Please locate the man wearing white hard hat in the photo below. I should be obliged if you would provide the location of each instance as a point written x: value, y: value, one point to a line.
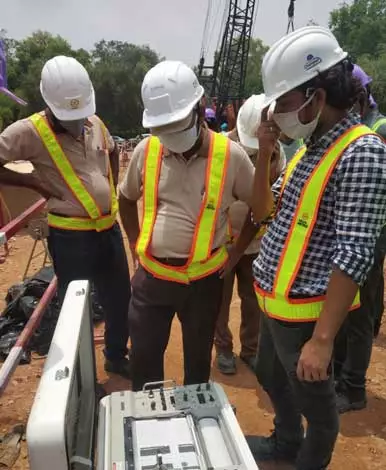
x: 188, y: 177
x: 76, y: 169
x: 248, y: 120
x: 330, y: 208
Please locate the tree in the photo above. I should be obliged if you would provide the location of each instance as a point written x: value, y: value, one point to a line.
x: 253, y: 80
x: 360, y: 27
x: 117, y: 73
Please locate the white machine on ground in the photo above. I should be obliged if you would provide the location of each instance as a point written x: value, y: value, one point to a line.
x: 163, y: 427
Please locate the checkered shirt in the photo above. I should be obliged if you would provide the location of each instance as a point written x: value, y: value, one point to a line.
x: 351, y: 215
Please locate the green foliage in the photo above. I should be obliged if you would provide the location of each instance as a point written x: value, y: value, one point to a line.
x: 116, y: 68
x: 253, y: 81
x: 360, y: 28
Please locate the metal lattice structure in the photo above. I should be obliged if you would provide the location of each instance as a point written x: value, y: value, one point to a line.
x: 225, y: 80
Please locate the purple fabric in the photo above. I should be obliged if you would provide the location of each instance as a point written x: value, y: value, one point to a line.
x: 365, y: 80
x: 210, y: 114
x: 3, y: 77
x: 361, y: 75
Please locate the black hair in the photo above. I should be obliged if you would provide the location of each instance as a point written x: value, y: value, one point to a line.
x: 341, y: 87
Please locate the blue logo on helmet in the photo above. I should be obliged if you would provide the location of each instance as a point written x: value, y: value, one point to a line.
x: 311, y: 62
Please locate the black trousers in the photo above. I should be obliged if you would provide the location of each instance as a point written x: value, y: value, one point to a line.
x: 354, y: 342
x: 99, y: 257
x: 154, y: 303
x: 279, y: 349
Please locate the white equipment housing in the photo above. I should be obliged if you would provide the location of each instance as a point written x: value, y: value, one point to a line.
x: 60, y: 430
x: 163, y: 427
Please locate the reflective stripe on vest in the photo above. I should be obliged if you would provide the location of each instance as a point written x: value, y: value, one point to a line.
x: 278, y: 304
x: 96, y: 220
x: 201, y: 262
x: 379, y: 123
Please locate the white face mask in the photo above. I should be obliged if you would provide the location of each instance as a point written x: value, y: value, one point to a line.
x: 180, y: 142
x: 75, y: 128
x: 291, y: 126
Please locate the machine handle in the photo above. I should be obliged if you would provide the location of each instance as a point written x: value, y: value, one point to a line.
x: 151, y: 385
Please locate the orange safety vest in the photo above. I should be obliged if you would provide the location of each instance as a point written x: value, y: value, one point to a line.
x: 96, y: 220
x: 201, y: 261
x: 278, y: 304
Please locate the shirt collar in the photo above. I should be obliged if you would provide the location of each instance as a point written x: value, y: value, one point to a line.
x: 351, y: 120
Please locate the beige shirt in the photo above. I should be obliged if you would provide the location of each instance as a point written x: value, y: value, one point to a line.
x: 20, y: 141
x: 180, y: 192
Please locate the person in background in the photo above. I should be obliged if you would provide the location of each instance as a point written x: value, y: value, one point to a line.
x: 210, y: 119
x: 188, y: 177
x: 330, y: 208
x: 76, y: 169
x: 290, y: 146
x: 248, y: 120
x: 355, y: 340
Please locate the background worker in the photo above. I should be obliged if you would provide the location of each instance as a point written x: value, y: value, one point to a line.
x: 355, y: 340
x: 210, y: 119
x: 76, y: 169
x: 290, y: 146
x: 318, y: 249
x: 189, y: 177
x: 248, y: 120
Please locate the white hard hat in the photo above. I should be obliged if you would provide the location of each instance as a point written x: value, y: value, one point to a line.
x: 297, y: 58
x: 170, y: 90
x: 248, y: 120
x: 67, y: 89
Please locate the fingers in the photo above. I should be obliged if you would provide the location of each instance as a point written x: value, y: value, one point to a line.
x: 264, y: 114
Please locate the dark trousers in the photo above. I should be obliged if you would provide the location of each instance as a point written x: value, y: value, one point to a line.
x: 354, y: 342
x: 279, y: 350
x: 250, y: 311
x: 99, y: 257
x: 153, y: 305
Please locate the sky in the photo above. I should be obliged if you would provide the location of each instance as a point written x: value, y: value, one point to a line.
x: 173, y: 28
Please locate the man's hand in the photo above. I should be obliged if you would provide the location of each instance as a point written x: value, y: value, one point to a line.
x: 314, y: 360
x: 134, y: 256
x: 234, y: 256
x: 268, y: 134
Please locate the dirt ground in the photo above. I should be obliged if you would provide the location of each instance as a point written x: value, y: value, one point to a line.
x: 362, y: 441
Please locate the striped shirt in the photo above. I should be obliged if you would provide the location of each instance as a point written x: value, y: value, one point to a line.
x: 351, y: 215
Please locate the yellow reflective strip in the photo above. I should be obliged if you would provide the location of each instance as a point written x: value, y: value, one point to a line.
x: 293, y: 162
x: 217, y: 163
x: 280, y: 308
x: 215, y: 262
x: 64, y: 166
x: 150, y: 193
x: 194, y: 271
x: 69, y: 223
x: 307, y: 212
x: 378, y: 124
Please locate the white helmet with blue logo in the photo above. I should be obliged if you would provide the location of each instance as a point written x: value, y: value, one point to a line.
x: 297, y: 58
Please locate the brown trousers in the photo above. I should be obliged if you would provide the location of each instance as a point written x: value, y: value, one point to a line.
x: 250, y: 311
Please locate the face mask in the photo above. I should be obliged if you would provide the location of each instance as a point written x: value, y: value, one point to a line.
x: 180, y: 142
x: 75, y: 128
x: 291, y: 126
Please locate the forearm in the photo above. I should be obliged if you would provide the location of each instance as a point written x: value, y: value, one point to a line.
x: 341, y: 292
x: 114, y: 162
x: 13, y: 178
x: 262, y: 200
x: 247, y: 234
x: 129, y: 216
